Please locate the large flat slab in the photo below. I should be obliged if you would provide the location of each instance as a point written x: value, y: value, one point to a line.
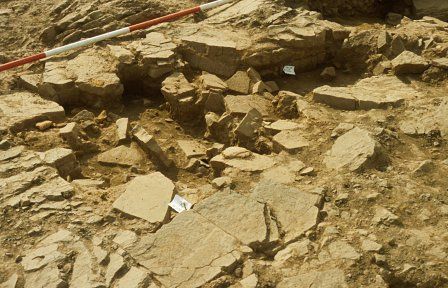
x: 187, y: 252
x: 378, y: 92
x: 147, y: 197
x: 23, y: 109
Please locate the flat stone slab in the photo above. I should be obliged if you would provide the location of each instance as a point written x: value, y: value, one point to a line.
x: 147, y: 197
x: 134, y: 278
x: 121, y: 155
x: 244, y: 160
x: 409, y: 63
x: 187, y: 252
x: 241, y: 105
x: 296, y: 211
x: 90, y: 78
x: 289, y: 140
x: 356, y: 150
x: 23, y: 109
x: 282, y: 125
x: 378, y: 92
x: 192, y: 148
x: 238, y: 215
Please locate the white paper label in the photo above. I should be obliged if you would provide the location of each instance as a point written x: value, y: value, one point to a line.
x: 290, y: 70
x: 179, y: 204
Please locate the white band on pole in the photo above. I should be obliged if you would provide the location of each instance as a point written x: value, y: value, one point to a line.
x: 214, y: 4
x: 87, y: 41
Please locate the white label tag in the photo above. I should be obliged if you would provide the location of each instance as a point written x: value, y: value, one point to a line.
x: 290, y: 70
x: 179, y: 204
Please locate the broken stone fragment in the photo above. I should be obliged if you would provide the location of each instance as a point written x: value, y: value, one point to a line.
x: 248, y: 128
x: 236, y: 214
x: 181, y: 95
x: 61, y: 236
x: 147, y: 197
x: 356, y: 151
x: 115, y: 267
x: 168, y: 254
x: 212, y: 82
x: 64, y: 160
x: 222, y: 182
x: 90, y: 79
x: 371, y: 246
x: 285, y: 173
x: 290, y: 141
x: 292, y: 252
x: 156, y: 54
x: 11, y: 282
x: 30, y: 82
x: 384, y: 216
x: 281, y: 200
x: 71, y: 133
x: 241, y: 105
x: 281, y: 125
x: 191, y: 148
x: 21, y: 110
x: 409, y: 63
x: 122, y: 129
x: 121, y: 155
x: 134, y: 278
x: 149, y: 144
x: 11, y: 153
x: 83, y: 274
x: 44, y: 125
x: 241, y: 159
x: 424, y: 167
x: 123, y: 55
x: 41, y: 257
x: 341, y: 129
x: 253, y: 75
x: 342, y: 250
x: 260, y: 87
x: 125, y: 238
x: 207, y: 53
x: 101, y: 255
x: 48, y: 277
x: 328, y: 74
x: 83, y: 116
x: 378, y: 92
x: 215, y: 150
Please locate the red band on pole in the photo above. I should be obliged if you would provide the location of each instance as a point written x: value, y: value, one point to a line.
x: 22, y: 61
x: 166, y: 18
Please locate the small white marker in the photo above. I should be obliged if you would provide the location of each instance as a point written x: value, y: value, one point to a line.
x: 290, y: 70
x: 179, y: 204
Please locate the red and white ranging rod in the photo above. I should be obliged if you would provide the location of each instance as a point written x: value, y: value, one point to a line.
x: 108, y: 35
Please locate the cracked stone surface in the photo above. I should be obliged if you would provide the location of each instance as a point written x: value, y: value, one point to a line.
x: 164, y: 253
x: 238, y: 215
x: 296, y: 211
